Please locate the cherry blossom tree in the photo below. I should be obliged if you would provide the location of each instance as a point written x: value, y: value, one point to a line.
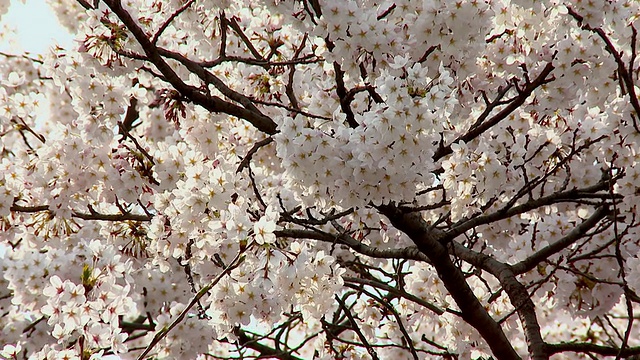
x: 323, y: 179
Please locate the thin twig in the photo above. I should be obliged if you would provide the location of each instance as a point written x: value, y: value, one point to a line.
x: 245, y: 161
x: 165, y: 331
x: 169, y: 20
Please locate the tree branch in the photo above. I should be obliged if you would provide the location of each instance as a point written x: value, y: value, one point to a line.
x: 589, y: 348
x: 409, y: 253
x: 395, y: 291
x: 473, y: 312
x: 569, y: 195
x: 574, y: 235
x: 205, y: 290
x: 211, y: 103
x: 84, y: 216
x: 265, y: 351
x: 480, y: 127
x: 517, y: 293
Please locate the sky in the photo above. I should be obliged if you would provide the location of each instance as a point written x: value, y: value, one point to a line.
x: 36, y: 26
x: 36, y: 30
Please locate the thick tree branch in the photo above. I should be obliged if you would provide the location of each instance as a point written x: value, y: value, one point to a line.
x: 341, y: 91
x: 473, y: 312
x: 590, y: 348
x: 207, y: 77
x: 517, y: 293
x: 211, y: 103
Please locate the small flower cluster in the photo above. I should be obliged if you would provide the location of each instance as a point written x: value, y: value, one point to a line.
x: 88, y: 303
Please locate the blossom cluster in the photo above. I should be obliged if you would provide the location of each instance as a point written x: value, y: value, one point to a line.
x: 87, y: 304
x: 384, y: 159
x: 244, y: 178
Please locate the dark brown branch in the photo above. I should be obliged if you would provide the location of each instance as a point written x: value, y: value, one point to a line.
x: 491, y: 105
x: 386, y: 12
x: 396, y: 292
x: 265, y: 351
x: 532, y: 261
x: 341, y: 91
x: 169, y: 20
x: 211, y: 103
x: 224, y: 23
x: 132, y: 114
x: 161, y: 334
x: 625, y: 74
x: 294, y: 110
x: 383, y: 302
x: 501, y: 115
x: 234, y: 25
x: 130, y: 327
x: 565, y: 196
x: 426, y: 54
x: 24, y: 56
x: 590, y: 348
x: 84, y: 216
x: 517, y: 293
x: 22, y: 126
x: 473, y: 312
x: 293, y: 100
x: 310, y: 220
x: 127, y: 134
x: 307, y: 59
x: 409, y: 253
x: 437, y: 205
x: 88, y: 6
x: 245, y: 162
x: 111, y: 217
x: 356, y: 329
x: 210, y: 78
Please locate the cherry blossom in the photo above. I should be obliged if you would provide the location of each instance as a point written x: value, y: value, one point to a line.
x: 323, y: 179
